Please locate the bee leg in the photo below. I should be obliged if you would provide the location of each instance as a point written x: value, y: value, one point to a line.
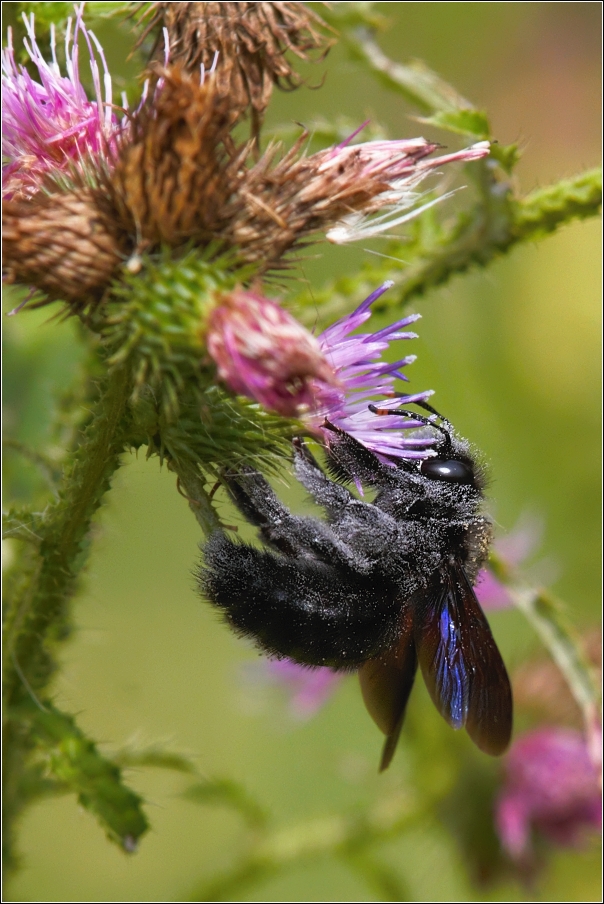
x: 292, y: 535
x: 332, y: 496
x: 351, y: 460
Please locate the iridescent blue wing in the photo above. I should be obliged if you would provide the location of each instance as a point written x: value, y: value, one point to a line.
x: 386, y: 683
x: 460, y: 662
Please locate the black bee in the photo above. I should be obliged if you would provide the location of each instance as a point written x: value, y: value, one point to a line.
x: 379, y: 587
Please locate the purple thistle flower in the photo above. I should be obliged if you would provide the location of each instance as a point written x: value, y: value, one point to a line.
x: 51, y: 124
x: 260, y: 351
x: 551, y: 787
x: 364, y: 377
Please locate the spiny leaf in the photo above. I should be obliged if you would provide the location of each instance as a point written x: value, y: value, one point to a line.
x: 155, y: 757
x: 73, y: 761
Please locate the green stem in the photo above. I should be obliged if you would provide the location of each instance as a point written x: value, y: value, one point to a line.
x: 495, y: 226
x: 34, y: 618
x: 415, y: 81
x: 547, y: 617
x: 37, y: 610
x: 557, y: 634
x: 192, y: 485
x: 384, y: 880
x: 349, y: 838
x: 545, y: 209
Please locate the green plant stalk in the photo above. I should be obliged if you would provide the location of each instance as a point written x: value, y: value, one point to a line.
x: 415, y: 81
x: 495, y: 231
x: 348, y: 838
x: 385, y: 882
x: 37, y: 612
x: 558, y: 636
x: 547, y: 617
x: 492, y: 228
x: 192, y: 485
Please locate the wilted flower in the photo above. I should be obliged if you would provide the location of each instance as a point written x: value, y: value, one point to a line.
x: 551, y: 789
x: 278, y: 205
x: 66, y: 244
x: 308, y: 688
x: 50, y: 124
x: 175, y: 176
x: 172, y: 176
x: 262, y: 352
x: 364, y: 376
x: 401, y: 164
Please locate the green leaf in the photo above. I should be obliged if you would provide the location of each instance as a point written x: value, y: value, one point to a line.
x: 473, y: 123
x: 74, y: 762
x: 507, y: 156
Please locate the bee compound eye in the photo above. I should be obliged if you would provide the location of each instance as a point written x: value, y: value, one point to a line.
x: 452, y: 470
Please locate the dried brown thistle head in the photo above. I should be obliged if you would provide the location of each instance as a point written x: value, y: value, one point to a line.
x: 176, y: 168
x: 65, y: 244
x: 251, y: 40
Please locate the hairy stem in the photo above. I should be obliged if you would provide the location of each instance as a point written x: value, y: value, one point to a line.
x: 192, y: 485
x: 37, y: 609
x: 496, y: 225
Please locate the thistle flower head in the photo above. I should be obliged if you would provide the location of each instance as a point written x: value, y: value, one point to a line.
x: 551, y: 788
x: 65, y: 244
x: 50, y: 124
x: 358, y: 363
x: 262, y: 352
x: 172, y: 175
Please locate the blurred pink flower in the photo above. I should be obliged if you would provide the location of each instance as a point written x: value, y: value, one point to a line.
x: 551, y: 788
x: 514, y: 549
x: 308, y: 688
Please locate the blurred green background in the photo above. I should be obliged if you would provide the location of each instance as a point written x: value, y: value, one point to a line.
x: 514, y: 356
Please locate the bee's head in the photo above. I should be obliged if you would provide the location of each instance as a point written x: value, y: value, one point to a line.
x: 454, y: 462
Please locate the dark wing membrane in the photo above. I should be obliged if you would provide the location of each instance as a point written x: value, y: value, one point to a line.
x: 386, y: 683
x: 460, y: 662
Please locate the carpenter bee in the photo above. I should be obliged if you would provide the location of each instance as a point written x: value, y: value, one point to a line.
x: 379, y: 587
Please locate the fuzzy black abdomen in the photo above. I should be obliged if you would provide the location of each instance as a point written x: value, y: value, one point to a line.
x: 300, y: 608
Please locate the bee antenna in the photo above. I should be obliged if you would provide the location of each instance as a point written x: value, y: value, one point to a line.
x: 427, y: 407
x: 429, y: 422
